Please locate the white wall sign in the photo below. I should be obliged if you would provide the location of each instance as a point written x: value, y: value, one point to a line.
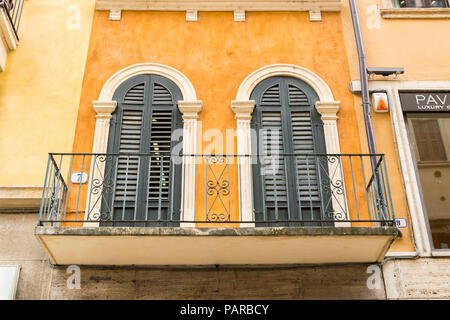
x: 400, y: 222
x: 79, y: 177
x: 9, y: 277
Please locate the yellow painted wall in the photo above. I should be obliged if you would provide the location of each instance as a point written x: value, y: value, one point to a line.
x: 421, y: 47
x: 40, y: 88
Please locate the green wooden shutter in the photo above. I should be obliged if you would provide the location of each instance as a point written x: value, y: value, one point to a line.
x: 269, y: 174
x: 303, y: 143
x: 164, y: 179
x: 287, y: 106
x: 146, y: 187
x: 130, y: 142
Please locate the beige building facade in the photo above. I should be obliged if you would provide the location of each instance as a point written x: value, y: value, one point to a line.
x: 100, y: 81
x: 412, y: 35
x: 44, y: 45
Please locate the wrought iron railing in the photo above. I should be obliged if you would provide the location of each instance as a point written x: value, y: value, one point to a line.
x: 155, y: 190
x: 13, y: 9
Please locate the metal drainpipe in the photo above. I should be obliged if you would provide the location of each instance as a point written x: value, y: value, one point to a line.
x: 364, y: 82
x: 366, y: 103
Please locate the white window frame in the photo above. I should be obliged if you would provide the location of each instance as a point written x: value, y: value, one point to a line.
x: 105, y: 106
x: 388, y: 11
x: 243, y: 108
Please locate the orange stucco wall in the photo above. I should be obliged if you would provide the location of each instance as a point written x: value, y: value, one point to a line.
x: 216, y: 54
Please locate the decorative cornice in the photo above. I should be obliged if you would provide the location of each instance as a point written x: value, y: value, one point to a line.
x: 239, y: 15
x: 203, y: 5
x: 243, y: 109
x: 190, y: 109
x: 104, y: 108
x: 315, y: 15
x: 191, y: 15
x: 115, y: 15
x: 328, y: 110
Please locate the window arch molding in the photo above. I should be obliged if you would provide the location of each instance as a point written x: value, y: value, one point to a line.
x: 243, y: 109
x: 189, y: 107
x: 183, y: 83
x: 290, y: 70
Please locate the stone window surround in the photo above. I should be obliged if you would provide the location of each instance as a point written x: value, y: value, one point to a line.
x: 388, y: 11
x: 190, y: 106
x: 422, y: 235
x: 105, y: 106
x: 243, y: 108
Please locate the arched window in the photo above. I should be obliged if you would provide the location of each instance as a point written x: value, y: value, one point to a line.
x: 147, y: 187
x: 286, y: 180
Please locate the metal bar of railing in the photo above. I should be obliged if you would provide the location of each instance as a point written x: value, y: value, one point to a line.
x: 375, y: 170
x: 18, y: 15
x: 68, y: 187
x: 79, y: 188
x: 354, y: 187
x: 125, y: 188
x: 309, y: 188
x: 299, y: 200
x: 322, y: 204
x: 206, y: 185
x: 365, y: 189
x: 44, y: 198
x: 172, y: 186
x: 391, y: 208
x: 136, y: 199
x: 160, y: 187
x: 50, y: 188
x: 58, y: 189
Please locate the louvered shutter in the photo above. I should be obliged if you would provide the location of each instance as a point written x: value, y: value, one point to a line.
x: 288, y: 123
x: 273, y: 168
x: 303, y: 143
x: 273, y: 164
x: 146, y: 186
x: 162, y: 125
x: 271, y: 201
x: 130, y: 142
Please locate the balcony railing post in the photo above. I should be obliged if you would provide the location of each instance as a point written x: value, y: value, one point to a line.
x: 44, y: 190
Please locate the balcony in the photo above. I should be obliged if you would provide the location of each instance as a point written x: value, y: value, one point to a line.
x: 161, y: 209
x: 10, y: 15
